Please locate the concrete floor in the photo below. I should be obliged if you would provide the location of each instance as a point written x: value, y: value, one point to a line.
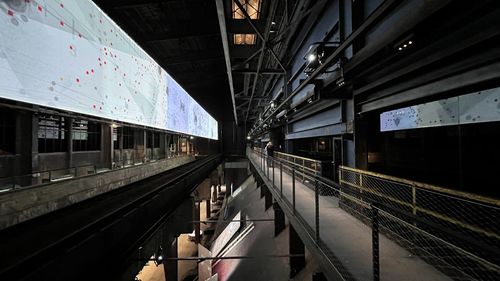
x: 260, y: 241
x: 350, y: 240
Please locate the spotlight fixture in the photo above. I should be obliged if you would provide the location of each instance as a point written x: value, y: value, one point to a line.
x: 340, y: 82
x: 311, y: 57
x: 191, y: 137
x: 159, y: 256
x: 317, y: 54
x: 273, y: 104
x: 404, y: 44
x: 248, y: 137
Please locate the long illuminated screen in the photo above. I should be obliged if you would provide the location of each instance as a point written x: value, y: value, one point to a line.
x: 70, y: 55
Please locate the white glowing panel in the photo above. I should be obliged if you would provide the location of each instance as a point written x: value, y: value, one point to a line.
x: 70, y: 55
x: 226, y: 234
x: 483, y: 106
x: 477, y: 107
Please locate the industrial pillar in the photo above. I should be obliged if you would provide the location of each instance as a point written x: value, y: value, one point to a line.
x: 262, y: 190
x: 171, y: 265
x: 268, y: 202
x: 197, y: 223
x: 279, y: 219
x: 296, y: 247
x: 207, y: 202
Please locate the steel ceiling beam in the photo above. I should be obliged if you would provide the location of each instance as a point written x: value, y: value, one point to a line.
x: 372, y: 19
x: 264, y: 39
x: 258, y: 32
x: 225, y: 45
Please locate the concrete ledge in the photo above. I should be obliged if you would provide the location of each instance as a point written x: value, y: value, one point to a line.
x: 24, y: 204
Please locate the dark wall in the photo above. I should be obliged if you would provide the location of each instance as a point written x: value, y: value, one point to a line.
x: 233, y: 138
x: 463, y: 157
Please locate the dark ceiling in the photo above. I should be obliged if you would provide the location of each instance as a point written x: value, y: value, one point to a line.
x: 183, y: 36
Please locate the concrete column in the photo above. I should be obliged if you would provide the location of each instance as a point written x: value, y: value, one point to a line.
x: 145, y: 145
x: 120, y: 144
x: 69, y: 139
x: 23, y: 163
x: 197, y: 224
x: 214, y: 194
x: 207, y: 202
x: 279, y: 219
x: 296, y: 247
x: 268, y: 198
x: 106, y: 145
x: 171, y: 266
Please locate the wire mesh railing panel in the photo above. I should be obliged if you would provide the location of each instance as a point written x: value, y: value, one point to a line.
x: 454, y: 235
x: 454, y: 261
x: 461, y: 220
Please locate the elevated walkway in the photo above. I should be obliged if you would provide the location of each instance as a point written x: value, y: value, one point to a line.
x: 343, y: 239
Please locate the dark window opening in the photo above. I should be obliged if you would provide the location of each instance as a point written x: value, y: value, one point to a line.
x: 7, y: 133
x: 128, y: 137
x: 51, y: 134
x: 86, y: 135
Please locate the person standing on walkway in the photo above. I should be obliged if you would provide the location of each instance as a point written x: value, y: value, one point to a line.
x: 270, y: 153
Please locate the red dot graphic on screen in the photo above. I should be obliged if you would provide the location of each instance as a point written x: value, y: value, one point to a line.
x: 93, y: 106
x: 99, y: 59
x: 10, y: 13
x: 80, y: 35
x: 40, y: 8
x: 92, y: 70
x: 105, y: 49
x: 62, y: 5
x: 104, y: 62
x: 77, y: 80
x: 61, y: 23
x: 87, y: 72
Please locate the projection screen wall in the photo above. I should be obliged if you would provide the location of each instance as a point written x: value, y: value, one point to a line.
x: 70, y: 55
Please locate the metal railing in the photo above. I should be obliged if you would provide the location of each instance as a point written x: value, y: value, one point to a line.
x: 473, y: 219
x: 400, y: 216
x: 54, y: 175
x: 312, y: 166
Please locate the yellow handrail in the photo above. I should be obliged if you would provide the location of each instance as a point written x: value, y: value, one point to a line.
x: 435, y: 188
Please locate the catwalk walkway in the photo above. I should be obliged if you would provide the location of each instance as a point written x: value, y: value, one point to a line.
x: 345, y: 236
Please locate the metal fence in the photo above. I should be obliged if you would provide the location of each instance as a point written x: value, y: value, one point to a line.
x: 455, y: 234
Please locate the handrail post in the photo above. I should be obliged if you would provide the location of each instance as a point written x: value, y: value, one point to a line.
x: 272, y: 162
x: 281, y: 178
x: 293, y: 188
x: 375, y: 243
x: 267, y: 166
x: 316, y: 204
x: 303, y: 170
x: 414, y: 199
